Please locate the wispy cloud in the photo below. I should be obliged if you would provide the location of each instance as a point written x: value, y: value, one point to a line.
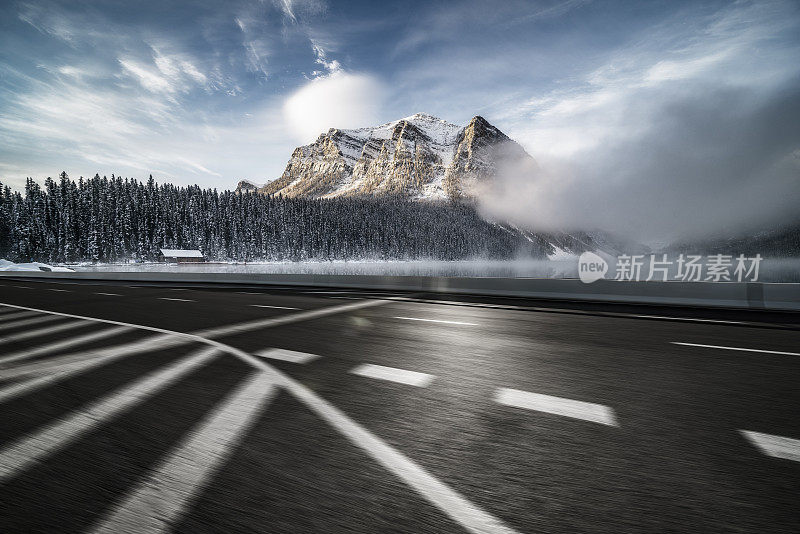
x: 671, y: 136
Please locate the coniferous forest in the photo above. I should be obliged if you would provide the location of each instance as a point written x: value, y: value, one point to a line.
x: 115, y: 219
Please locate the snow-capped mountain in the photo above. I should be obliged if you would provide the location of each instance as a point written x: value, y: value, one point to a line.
x: 419, y: 157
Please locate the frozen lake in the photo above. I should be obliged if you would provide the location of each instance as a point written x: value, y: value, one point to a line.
x: 772, y: 269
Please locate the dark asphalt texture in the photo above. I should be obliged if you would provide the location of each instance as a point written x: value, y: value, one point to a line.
x: 676, y: 462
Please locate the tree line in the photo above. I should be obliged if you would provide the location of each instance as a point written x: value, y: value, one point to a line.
x: 115, y: 219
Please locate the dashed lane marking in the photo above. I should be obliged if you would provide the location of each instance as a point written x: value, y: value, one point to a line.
x: 392, y: 374
x: 775, y: 446
x: 436, y: 321
x: 108, y: 294
x: 287, y: 355
x: 63, y: 344
x: 158, y: 501
x: 24, y: 287
x: 274, y: 307
x: 742, y: 349
x: 60, y: 290
x: 20, y: 454
x: 43, y: 331
x: 28, y: 322
x: 596, y: 413
x: 176, y: 300
x: 468, y: 515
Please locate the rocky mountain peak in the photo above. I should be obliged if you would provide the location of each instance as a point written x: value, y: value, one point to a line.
x: 419, y: 157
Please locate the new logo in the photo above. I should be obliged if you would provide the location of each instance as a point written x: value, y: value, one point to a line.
x: 591, y: 267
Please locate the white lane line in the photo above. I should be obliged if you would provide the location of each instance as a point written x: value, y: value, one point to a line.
x: 471, y: 517
x: 70, y: 364
x: 275, y: 307
x: 435, y: 321
x: 468, y: 515
x: 20, y: 454
x: 284, y: 319
x: 691, y: 319
x: 63, y: 344
x: 17, y: 315
x: 47, y: 330
x: 23, y: 287
x: 742, y: 349
x: 775, y: 446
x: 160, y: 500
x: 248, y: 293
x: 176, y: 300
x: 28, y: 322
x: 56, y: 369
x: 108, y: 294
x: 61, y: 290
x: 392, y: 374
x: 596, y: 413
x: 287, y: 355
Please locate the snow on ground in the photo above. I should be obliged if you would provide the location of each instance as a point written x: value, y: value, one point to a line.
x: 6, y: 265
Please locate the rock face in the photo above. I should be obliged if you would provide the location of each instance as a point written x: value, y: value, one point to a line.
x: 246, y: 186
x: 419, y: 157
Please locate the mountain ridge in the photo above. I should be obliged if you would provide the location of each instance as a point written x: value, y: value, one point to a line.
x: 420, y: 157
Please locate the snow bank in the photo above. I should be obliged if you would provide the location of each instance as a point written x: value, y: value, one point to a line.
x: 6, y: 265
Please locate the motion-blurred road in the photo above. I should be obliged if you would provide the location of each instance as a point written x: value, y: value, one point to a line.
x: 134, y: 408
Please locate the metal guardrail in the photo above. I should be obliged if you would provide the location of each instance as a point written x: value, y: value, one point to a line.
x: 750, y: 295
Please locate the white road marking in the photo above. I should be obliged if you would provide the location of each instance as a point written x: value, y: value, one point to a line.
x: 287, y: 355
x: 70, y: 364
x: 469, y: 516
x: 23, y: 287
x: 561, y: 310
x: 270, y: 322
x: 775, y: 446
x: 20, y: 454
x: 736, y: 348
x: 177, y: 300
x: 62, y: 290
x: 248, y: 293
x: 161, y: 499
x: 47, y: 330
x: 436, y: 321
x: 596, y: 413
x: 28, y: 322
x: 18, y: 315
x: 691, y: 319
x: 55, y: 369
x: 392, y: 374
x: 275, y: 307
x: 109, y: 294
x: 63, y: 344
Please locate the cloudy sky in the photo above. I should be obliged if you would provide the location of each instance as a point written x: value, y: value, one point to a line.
x: 620, y: 94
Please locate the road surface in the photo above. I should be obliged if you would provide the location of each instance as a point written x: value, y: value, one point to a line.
x: 150, y: 408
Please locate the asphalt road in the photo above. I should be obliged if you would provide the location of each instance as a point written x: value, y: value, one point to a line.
x: 135, y: 408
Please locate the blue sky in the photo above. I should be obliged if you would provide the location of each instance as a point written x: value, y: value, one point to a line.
x: 210, y: 92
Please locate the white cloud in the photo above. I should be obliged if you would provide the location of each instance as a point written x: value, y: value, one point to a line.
x: 661, y: 141
x: 336, y: 100
x: 147, y: 78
